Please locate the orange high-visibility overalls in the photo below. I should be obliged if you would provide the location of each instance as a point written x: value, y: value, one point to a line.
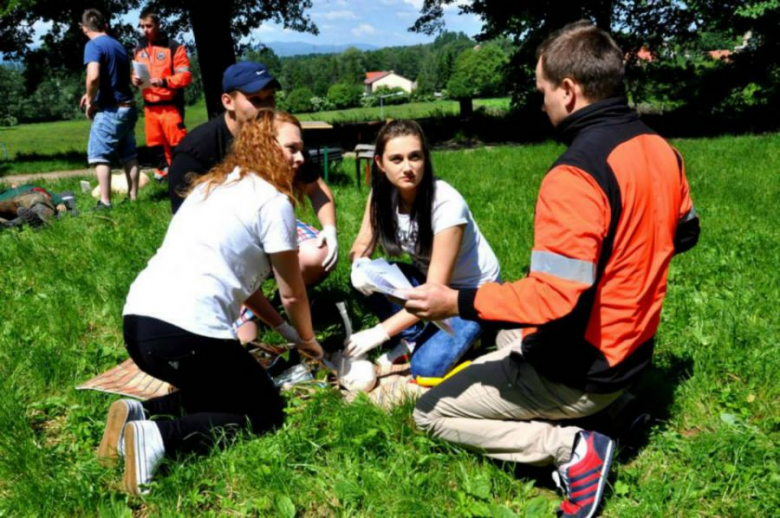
x: 164, y: 105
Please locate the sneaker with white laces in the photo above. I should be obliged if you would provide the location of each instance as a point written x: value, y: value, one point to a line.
x: 584, y: 477
x: 144, y: 451
x: 120, y: 413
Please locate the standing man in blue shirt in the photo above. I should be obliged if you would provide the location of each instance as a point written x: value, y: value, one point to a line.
x: 109, y: 104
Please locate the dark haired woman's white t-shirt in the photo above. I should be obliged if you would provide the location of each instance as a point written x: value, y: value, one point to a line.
x: 214, y: 256
x: 476, y: 263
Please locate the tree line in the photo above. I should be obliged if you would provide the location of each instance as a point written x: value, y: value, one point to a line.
x: 453, y: 66
x: 310, y: 82
x: 676, y: 33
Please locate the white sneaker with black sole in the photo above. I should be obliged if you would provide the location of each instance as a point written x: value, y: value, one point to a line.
x: 144, y: 451
x: 120, y: 413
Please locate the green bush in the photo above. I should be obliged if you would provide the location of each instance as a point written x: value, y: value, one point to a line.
x: 345, y: 95
x: 299, y: 100
x: 320, y: 104
x: 396, y: 99
x: 369, y: 101
x: 479, y: 72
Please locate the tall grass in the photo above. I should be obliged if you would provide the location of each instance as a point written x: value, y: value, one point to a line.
x: 712, y: 448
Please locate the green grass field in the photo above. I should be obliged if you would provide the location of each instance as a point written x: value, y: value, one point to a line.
x: 712, y: 447
x: 61, y: 146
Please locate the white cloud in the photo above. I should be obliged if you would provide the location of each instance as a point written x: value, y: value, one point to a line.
x: 265, y: 29
x: 417, y: 4
x: 40, y: 28
x: 338, y: 15
x: 363, y: 29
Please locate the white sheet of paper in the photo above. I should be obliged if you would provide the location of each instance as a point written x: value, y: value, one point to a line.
x: 388, y: 279
x: 141, y: 71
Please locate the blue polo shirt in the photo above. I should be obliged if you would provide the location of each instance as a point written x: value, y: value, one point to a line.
x: 114, y: 85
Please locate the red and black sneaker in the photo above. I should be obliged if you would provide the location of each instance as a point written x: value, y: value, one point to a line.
x: 584, y: 477
x: 160, y: 174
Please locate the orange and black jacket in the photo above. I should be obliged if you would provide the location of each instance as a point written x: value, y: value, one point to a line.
x: 167, y: 59
x: 611, y: 213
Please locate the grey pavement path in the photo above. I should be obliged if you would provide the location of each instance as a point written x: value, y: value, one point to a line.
x: 55, y: 175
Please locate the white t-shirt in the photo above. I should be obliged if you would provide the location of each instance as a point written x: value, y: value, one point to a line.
x: 214, y: 256
x: 476, y: 263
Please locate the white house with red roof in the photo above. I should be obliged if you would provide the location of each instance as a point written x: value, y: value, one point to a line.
x: 389, y: 79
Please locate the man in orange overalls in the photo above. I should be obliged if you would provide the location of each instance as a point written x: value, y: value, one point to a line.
x: 169, y: 71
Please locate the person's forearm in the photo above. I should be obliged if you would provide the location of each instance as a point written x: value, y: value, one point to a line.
x: 398, y: 322
x: 263, y: 309
x: 297, y: 307
x: 92, y: 86
x: 322, y: 202
x: 362, y: 244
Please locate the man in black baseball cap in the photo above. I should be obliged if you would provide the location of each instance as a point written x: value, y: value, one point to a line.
x: 247, y: 88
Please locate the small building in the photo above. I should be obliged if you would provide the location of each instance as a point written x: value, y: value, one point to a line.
x: 720, y: 55
x: 644, y: 54
x: 389, y: 79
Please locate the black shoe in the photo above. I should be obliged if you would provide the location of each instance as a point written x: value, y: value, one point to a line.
x: 102, y: 206
x: 30, y: 217
x: 69, y: 199
x: 14, y: 223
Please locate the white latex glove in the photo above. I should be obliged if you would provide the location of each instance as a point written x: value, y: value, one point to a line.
x: 360, y: 343
x: 359, y: 280
x: 288, y: 332
x: 328, y: 236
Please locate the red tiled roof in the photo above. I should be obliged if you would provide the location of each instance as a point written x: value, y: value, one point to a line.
x: 644, y: 54
x: 724, y: 55
x: 374, y: 76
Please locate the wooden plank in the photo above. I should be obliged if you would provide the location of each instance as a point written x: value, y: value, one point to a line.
x: 309, y: 125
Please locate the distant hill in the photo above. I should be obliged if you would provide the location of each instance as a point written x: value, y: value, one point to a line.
x: 295, y: 48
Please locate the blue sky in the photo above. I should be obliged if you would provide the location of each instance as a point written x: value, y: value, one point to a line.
x: 382, y: 23
x: 377, y: 22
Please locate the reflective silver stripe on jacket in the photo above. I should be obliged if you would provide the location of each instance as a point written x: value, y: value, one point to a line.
x: 181, y: 69
x: 563, y: 267
x: 689, y: 215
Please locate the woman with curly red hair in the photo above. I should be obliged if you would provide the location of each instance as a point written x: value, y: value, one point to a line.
x: 235, y: 227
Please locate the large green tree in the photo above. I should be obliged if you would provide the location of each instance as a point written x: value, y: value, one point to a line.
x: 660, y: 25
x: 479, y: 72
x: 217, y: 29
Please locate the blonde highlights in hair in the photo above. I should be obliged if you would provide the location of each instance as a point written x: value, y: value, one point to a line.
x: 256, y: 151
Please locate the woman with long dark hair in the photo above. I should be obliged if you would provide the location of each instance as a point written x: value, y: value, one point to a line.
x: 234, y: 228
x: 411, y: 211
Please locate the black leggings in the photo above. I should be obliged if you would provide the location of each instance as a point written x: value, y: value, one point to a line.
x: 222, y: 388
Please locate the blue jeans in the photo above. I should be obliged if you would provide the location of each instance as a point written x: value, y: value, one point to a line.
x: 112, y: 136
x: 435, y: 351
